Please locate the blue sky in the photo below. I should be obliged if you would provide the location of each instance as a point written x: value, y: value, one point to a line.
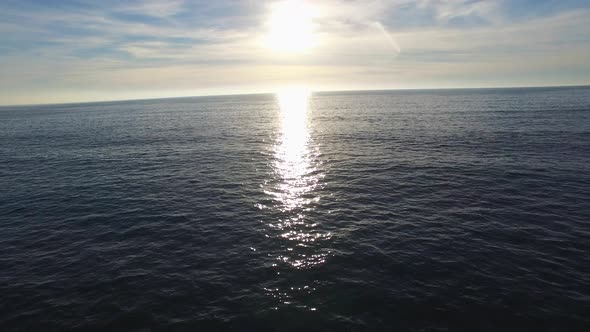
x: 76, y: 50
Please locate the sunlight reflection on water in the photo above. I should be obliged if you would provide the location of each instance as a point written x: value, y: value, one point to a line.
x: 293, y: 154
x: 297, y: 176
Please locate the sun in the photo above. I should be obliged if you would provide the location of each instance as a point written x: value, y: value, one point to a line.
x: 290, y: 27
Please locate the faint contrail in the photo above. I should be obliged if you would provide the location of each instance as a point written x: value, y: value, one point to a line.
x: 389, y: 37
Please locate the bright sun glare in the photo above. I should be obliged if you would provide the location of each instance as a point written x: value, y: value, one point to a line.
x: 290, y: 27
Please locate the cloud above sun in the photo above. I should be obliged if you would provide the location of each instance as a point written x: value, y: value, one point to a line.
x: 60, y: 51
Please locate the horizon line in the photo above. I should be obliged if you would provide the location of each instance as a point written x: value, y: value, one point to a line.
x: 312, y: 91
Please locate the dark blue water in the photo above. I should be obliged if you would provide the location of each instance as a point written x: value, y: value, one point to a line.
x: 409, y: 211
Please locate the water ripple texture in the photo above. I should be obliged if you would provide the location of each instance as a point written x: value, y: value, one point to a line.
x: 426, y: 210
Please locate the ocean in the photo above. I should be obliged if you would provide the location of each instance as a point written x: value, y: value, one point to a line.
x: 417, y: 210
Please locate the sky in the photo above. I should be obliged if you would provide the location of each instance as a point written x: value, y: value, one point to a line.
x: 75, y: 50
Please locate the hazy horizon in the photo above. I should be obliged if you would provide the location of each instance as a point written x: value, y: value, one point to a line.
x: 311, y: 91
x: 81, y: 51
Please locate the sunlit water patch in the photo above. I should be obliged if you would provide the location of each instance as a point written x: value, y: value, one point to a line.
x: 297, y: 174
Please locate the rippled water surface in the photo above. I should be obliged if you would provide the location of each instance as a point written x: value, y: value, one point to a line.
x: 409, y: 210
